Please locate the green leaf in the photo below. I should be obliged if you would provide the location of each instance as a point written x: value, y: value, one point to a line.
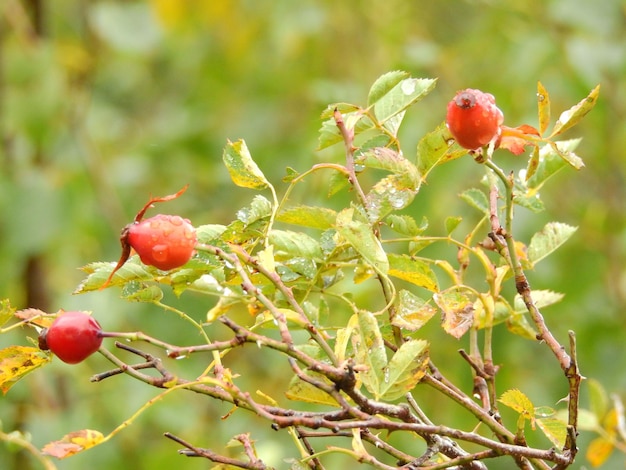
x: 387, y: 159
x: 6, y: 311
x: 389, y: 108
x: 387, y: 195
x: 543, y: 105
x: 384, y: 84
x: 260, y: 208
x: 360, y: 236
x: 209, y: 233
x: 572, y: 116
x: 451, y: 223
x: 570, y: 157
x: 370, y: 351
x: 415, y: 271
x: 598, y: 399
x: 300, y: 390
x: 309, y: 216
x: 405, y: 369
x: 552, y: 236
x: 243, y: 170
x: 329, y: 134
x: 549, y: 163
x: 436, y: 148
x: 554, y: 429
x: 98, y: 273
x: 144, y: 294
x: 477, y: 199
x: 288, y: 244
x: 458, y: 312
x: 412, y: 311
x: 541, y: 298
x: 406, y: 225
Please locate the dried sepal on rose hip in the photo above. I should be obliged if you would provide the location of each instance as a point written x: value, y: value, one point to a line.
x: 473, y: 118
x: 163, y: 241
x: 72, y: 336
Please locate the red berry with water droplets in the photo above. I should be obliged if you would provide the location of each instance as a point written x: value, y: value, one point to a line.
x: 473, y: 118
x: 72, y: 337
x: 163, y: 241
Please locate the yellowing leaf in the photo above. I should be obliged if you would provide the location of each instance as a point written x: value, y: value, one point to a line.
x: 413, y: 270
x: 552, y: 236
x: 360, y: 236
x: 17, y: 361
x: 599, y: 451
x: 519, y: 402
x: 573, y: 115
x: 543, y: 104
x: 243, y: 170
x: 300, y: 390
x: 554, y: 429
x: 412, y: 312
x: 404, y: 371
x: 73, y: 443
x: 458, y: 312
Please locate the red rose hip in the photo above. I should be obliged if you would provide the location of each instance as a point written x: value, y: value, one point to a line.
x: 72, y: 337
x: 473, y: 118
x: 163, y: 241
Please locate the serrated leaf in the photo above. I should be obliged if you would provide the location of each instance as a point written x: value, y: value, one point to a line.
x: 415, y: 271
x: 552, y: 236
x: 572, y: 116
x: 406, y: 225
x: 209, y: 233
x: 329, y: 134
x: 519, y: 402
x: 384, y: 84
x: 321, y: 218
x: 543, y: 105
x: 17, y: 361
x: 360, y: 236
x: 405, y: 369
x: 549, y: 163
x: 387, y: 195
x: 570, y: 157
x: 477, y: 199
x: 242, y: 168
x: 300, y: 390
x: 554, y: 429
x: 412, y: 311
x: 436, y: 148
x: 133, y: 270
x: 73, y: 443
x: 599, y: 451
x: 389, y: 108
x: 458, y: 312
x: 258, y: 209
x: 370, y: 351
x: 288, y: 244
x: 144, y: 294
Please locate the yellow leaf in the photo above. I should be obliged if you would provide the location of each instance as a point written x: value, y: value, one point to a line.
x: 73, y: 443
x: 519, y: 402
x: 17, y: 361
x: 599, y: 451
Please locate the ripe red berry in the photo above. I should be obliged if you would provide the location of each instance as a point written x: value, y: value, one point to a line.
x: 473, y: 118
x: 163, y: 241
x: 72, y: 337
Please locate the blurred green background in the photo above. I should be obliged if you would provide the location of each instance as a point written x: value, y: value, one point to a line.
x: 103, y: 103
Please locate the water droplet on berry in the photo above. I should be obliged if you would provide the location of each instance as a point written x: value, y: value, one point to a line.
x: 176, y: 220
x: 160, y: 252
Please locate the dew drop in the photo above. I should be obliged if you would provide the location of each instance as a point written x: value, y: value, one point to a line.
x: 160, y: 252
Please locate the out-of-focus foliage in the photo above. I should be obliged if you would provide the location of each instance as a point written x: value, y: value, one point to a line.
x: 104, y: 102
